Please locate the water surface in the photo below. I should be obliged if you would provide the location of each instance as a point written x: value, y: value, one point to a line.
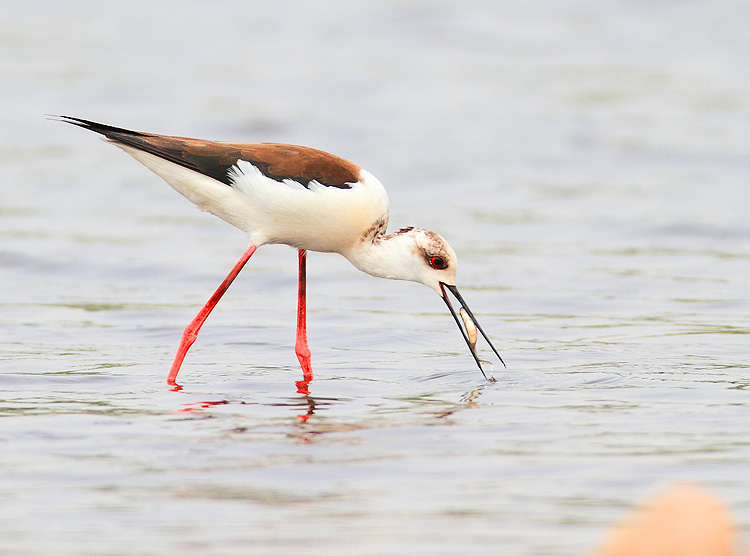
x: 587, y: 163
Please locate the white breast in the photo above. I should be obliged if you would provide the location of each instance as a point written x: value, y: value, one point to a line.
x: 316, y: 217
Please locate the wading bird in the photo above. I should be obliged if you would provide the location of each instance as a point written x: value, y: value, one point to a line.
x: 298, y: 196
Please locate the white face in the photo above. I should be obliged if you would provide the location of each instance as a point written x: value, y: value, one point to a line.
x: 436, y: 260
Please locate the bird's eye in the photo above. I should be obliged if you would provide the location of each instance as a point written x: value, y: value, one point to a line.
x: 437, y: 263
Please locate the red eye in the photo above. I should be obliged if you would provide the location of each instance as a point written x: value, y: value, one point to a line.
x: 437, y: 263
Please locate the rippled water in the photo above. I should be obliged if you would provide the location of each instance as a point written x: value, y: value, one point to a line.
x: 589, y: 165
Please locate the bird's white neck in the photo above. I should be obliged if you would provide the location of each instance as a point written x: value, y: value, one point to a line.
x: 385, y: 256
x: 410, y: 254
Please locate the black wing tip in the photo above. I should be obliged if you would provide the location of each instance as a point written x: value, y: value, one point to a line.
x: 96, y: 127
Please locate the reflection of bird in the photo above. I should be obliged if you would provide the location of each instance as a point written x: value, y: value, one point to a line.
x: 297, y: 196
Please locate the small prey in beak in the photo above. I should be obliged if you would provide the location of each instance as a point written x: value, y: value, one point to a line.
x: 468, y: 325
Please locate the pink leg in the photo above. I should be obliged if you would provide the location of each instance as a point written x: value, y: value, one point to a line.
x: 191, y: 331
x: 301, y: 348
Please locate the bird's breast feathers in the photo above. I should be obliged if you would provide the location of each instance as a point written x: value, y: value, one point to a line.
x: 315, y: 216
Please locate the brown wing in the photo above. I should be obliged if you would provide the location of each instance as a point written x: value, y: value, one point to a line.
x: 215, y: 159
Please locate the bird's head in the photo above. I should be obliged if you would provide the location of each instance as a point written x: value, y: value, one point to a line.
x: 432, y: 261
x: 427, y: 258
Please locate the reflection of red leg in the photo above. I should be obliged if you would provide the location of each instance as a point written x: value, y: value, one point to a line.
x: 191, y: 331
x: 301, y: 348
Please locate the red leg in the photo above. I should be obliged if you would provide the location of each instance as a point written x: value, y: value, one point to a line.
x: 301, y: 348
x: 191, y: 331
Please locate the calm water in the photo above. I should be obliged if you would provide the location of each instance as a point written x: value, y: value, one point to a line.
x: 588, y: 163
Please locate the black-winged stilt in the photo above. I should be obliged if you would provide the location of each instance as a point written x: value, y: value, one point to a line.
x: 302, y: 197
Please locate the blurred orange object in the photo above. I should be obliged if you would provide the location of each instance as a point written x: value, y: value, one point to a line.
x: 683, y: 521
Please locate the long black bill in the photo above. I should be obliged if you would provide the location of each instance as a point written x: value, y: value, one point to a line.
x: 463, y: 326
